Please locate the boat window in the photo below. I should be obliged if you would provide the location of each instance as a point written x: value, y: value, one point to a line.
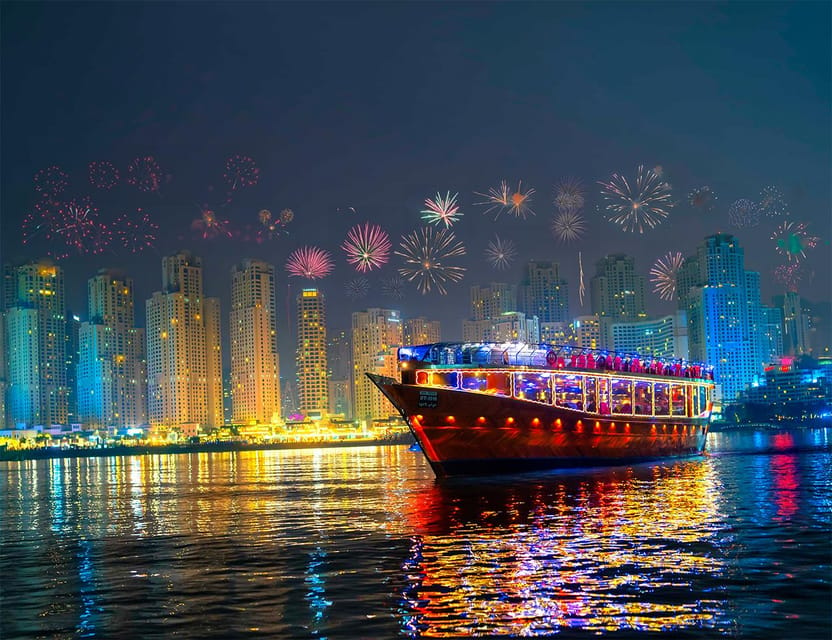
x: 643, y: 398
x: 702, y: 393
x: 493, y: 382
x: 661, y: 398
x: 589, y: 391
x: 569, y: 391
x: 621, y: 394
x: 691, y: 399
x: 533, y: 386
x: 677, y: 399
x: 444, y: 379
x: 474, y: 380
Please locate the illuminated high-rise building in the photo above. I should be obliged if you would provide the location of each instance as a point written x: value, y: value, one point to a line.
x: 492, y: 301
x: 255, y: 365
x: 311, y: 361
x: 73, y: 354
x: 796, y: 324
x: 725, y: 318
x: 617, y: 294
x: 3, y: 370
x: 543, y: 293
x: 421, y: 331
x: 772, y: 333
x: 112, y: 377
x: 665, y: 337
x: 35, y: 327
x: 585, y: 332
x: 376, y: 335
x: 509, y: 326
x: 339, y: 359
x: 184, y: 383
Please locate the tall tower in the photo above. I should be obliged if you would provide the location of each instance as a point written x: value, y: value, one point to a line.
x: 111, y: 368
x: 722, y: 301
x: 183, y: 349
x: 255, y: 382
x: 617, y: 293
x: 543, y: 293
x: 36, y: 345
x: 311, y: 354
x: 493, y: 300
x: 376, y: 335
x: 421, y: 331
x: 339, y: 358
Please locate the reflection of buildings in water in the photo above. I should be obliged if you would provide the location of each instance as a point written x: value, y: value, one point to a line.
x: 617, y: 549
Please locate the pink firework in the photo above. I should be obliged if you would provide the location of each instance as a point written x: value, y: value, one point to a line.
x: 790, y: 275
x: 367, y: 247
x: 209, y: 225
x: 144, y: 174
x: 442, y: 210
x: 78, y: 230
x: 792, y: 240
x: 41, y: 220
x: 51, y: 181
x: 103, y: 175
x: 241, y: 171
x: 309, y: 262
x: 136, y: 232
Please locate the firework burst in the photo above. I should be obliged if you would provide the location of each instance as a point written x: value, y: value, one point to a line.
x: 136, y: 232
x: 426, y: 253
x: 269, y: 228
x: 790, y: 275
x: 500, y: 253
x: 209, y: 225
x: 144, y: 174
x: 497, y: 199
x: 442, y: 210
x: 520, y: 201
x: 644, y: 203
x: 51, y: 181
x: 367, y: 247
x: 772, y: 202
x: 77, y: 227
x: 103, y: 175
x: 568, y: 225
x: 665, y: 274
x: 792, y: 239
x: 569, y: 195
x: 744, y: 213
x: 241, y: 171
x: 309, y: 262
x: 702, y: 198
x: 41, y: 220
x: 357, y: 288
x: 393, y: 287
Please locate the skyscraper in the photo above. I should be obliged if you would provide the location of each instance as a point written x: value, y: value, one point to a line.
x: 339, y: 359
x: 543, y: 293
x: 35, y: 327
x: 616, y: 293
x: 255, y: 366
x: 311, y: 361
x: 376, y: 335
x: 722, y: 301
x: 183, y: 349
x: 112, y: 378
x: 489, y: 302
x: 665, y: 337
x: 420, y: 331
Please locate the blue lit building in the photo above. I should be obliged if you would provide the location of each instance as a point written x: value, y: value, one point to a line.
x: 725, y: 317
x: 35, y: 343
x: 112, y: 378
x: 543, y: 293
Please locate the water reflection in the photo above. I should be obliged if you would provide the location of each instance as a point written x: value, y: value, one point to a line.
x: 612, y: 550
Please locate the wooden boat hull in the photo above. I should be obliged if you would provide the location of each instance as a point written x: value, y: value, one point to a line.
x: 475, y: 434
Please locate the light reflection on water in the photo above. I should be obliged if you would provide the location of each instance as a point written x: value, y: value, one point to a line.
x: 364, y: 543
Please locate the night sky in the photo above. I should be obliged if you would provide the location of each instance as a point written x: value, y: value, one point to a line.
x: 379, y: 106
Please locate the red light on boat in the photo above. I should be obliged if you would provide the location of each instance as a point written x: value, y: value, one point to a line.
x: 481, y: 420
x: 653, y: 429
x: 536, y: 422
x: 557, y: 424
x: 509, y: 421
x: 597, y: 428
x: 627, y: 428
x: 579, y: 427
x: 664, y: 428
x: 612, y: 427
x: 420, y: 417
x: 450, y: 419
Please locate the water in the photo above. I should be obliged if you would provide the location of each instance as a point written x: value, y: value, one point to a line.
x: 364, y: 543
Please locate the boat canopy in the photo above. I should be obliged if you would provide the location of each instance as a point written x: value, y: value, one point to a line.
x: 493, y: 354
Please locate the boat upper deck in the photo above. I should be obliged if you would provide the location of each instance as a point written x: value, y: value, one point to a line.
x: 546, y: 356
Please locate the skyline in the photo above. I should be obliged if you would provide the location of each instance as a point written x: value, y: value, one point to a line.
x: 344, y: 133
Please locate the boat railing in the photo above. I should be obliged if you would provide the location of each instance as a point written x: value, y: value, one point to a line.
x: 551, y: 356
